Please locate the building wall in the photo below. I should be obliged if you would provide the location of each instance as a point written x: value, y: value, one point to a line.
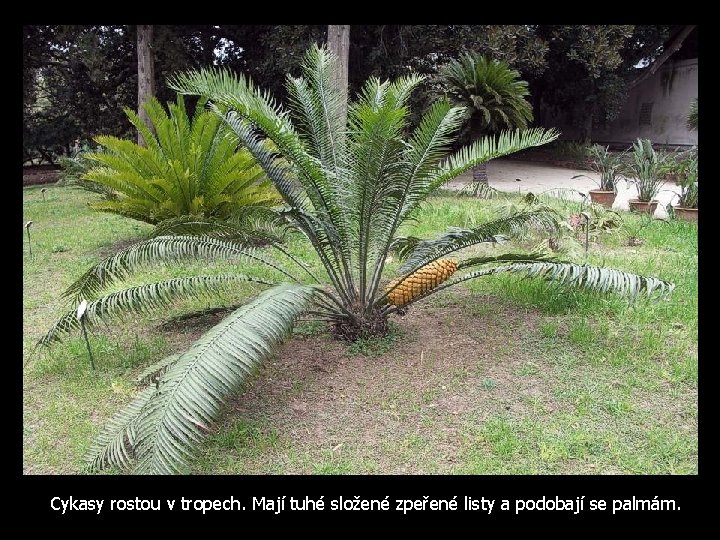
x: 670, y: 92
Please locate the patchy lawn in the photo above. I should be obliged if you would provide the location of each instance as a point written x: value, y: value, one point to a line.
x: 501, y: 375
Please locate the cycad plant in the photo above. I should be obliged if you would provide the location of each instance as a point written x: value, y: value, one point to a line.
x: 689, y: 182
x: 647, y: 168
x: 609, y: 165
x: 692, y: 119
x: 494, y: 95
x: 190, y: 166
x: 348, y: 187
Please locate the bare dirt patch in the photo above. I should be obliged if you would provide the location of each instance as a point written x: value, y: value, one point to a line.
x: 115, y: 247
x: 448, y: 368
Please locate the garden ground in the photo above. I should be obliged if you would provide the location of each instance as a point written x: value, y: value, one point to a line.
x: 498, y: 376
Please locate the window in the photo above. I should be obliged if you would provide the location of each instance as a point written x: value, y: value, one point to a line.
x: 645, y: 114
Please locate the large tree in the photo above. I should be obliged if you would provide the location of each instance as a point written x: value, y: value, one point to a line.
x: 76, y: 81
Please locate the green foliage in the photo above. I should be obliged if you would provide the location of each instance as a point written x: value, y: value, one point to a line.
x: 646, y: 168
x: 688, y: 182
x: 165, y: 423
x: 609, y: 165
x: 74, y: 168
x: 76, y: 80
x: 189, y: 167
x: 493, y: 92
x: 348, y: 188
x: 589, y: 67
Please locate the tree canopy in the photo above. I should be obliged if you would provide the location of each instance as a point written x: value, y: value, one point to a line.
x: 78, y: 78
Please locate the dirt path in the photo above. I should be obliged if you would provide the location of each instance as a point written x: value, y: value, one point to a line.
x: 524, y: 176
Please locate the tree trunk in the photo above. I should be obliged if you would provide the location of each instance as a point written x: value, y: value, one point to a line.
x: 339, y: 43
x: 479, y: 172
x: 146, y: 72
x: 587, y: 128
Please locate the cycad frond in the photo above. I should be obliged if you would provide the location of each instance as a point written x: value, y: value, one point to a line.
x: 587, y: 277
x: 493, y: 232
x: 143, y: 299
x: 191, y: 394
x: 114, y: 445
x: 487, y: 148
x: 152, y: 373
x: 162, y: 249
x: 376, y: 167
x: 248, y: 230
x: 259, y: 109
x: 593, y: 278
x: 316, y: 103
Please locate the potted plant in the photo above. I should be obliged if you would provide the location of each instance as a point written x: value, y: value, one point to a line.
x: 646, y: 168
x: 687, y: 208
x: 610, y: 167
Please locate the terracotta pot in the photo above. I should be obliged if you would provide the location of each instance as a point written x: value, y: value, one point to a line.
x: 636, y: 205
x: 687, y: 214
x: 605, y: 198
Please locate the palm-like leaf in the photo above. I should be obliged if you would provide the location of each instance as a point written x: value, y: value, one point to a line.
x: 147, y: 298
x: 162, y: 249
x: 161, y: 427
x: 587, y: 277
x: 191, y: 394
x: 116, y: 441
x: 487, y: 148
x: 491, y: 232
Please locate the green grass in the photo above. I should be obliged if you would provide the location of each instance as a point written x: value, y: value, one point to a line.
x: 541, y: 380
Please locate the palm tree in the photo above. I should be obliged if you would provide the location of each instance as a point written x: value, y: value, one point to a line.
x: 348, y: 188
x: 494, y: 95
